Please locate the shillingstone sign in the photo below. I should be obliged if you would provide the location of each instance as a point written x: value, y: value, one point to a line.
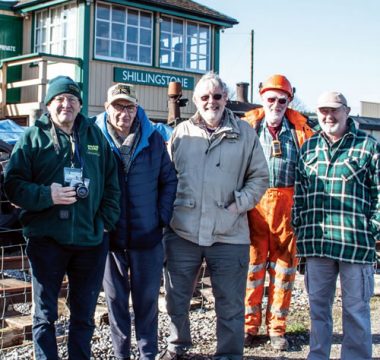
x: 140, y: 77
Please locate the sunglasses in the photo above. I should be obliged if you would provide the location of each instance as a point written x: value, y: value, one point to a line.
x: 281, y: 101
x: 214, y: 96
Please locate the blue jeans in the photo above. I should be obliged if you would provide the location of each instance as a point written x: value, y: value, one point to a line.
x: 357, y: 285
x: 136, y: 272
x: 84, y: 267
x: 228, y: 267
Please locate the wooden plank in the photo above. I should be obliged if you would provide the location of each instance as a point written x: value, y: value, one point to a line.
x: 14, y: 263
x: 11, y: 337
x: 14, y: 286
x: 23, y: 322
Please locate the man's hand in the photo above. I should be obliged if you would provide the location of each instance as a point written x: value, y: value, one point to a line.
x: 62, y: 195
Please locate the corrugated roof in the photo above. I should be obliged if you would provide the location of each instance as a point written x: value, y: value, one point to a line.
x: 186, y: 6
x: 367, y: 123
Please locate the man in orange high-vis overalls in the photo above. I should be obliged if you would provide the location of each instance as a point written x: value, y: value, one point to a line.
x: 281, y: 131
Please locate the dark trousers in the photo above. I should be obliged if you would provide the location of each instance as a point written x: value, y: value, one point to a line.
x: 135, y: 272
x: 228, y: 267
x: 84, y: 267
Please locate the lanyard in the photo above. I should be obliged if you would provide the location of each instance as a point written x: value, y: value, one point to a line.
x: 75, y: 145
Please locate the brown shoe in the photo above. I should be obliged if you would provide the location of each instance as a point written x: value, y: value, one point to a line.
x: 279, y: 342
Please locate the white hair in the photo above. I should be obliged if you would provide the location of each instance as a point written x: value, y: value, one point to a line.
x: 215, y: 79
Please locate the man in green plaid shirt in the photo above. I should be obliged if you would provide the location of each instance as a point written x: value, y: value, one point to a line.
x: 336, y: 218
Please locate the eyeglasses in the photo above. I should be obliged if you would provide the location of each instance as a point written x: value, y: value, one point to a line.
x: 281, y: 101
x: 70, y: 99
x: 214, y: 96
x: 120, y: 108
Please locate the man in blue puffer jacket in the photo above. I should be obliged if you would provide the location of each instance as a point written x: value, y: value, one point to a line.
x: 148, y: 185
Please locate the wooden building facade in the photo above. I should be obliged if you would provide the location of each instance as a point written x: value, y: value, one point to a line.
x: 96, y: 42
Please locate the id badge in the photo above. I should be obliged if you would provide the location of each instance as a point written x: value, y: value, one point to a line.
x: 276, y: 148
x: 72, y: 175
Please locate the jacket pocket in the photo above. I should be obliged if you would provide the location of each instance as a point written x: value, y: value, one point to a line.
x: 225, y: 220
x: 183, y: 215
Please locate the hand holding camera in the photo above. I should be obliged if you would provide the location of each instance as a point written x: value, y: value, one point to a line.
x: 63, y: 195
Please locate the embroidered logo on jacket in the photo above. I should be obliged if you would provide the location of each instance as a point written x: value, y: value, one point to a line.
x: 93, y: 150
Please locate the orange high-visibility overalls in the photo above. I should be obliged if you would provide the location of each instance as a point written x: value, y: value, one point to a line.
x: 273, y: 245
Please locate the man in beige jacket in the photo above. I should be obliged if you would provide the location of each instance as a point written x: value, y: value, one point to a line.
x: 222, y: 173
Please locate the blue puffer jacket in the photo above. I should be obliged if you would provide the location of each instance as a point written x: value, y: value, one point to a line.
x: 148, y: 195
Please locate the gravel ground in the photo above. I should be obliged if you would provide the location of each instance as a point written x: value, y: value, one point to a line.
x: 203, y: 331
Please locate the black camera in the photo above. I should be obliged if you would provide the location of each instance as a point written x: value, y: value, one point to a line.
x: 81, y: 189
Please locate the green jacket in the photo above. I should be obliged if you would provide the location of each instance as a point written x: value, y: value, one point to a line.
x: 336, y: 211
x: 35, y: 164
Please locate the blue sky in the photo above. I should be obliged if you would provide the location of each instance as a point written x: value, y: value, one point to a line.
x: 319, y: 45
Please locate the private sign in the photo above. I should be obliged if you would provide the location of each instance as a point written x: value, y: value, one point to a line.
x: 151, y: 78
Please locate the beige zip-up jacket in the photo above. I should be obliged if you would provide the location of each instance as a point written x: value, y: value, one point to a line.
x: 214, y: 172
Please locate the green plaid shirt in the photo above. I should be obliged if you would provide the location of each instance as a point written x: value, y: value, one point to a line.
x: 336, y: 212
x: 281, y: 168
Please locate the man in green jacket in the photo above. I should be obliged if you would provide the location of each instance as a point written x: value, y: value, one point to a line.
x: 63, y: 176
x: 336, y: 216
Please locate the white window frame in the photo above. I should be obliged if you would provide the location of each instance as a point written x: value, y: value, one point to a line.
x: 125, y: 42
x: 56, y: 29
x: 191, y: 53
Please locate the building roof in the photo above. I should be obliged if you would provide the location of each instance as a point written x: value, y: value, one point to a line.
x: 367, y: 123
x: 183, y: 6
x: 193, y: 7
x: 240, y: 108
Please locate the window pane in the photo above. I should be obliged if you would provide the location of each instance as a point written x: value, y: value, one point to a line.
x: 102, y: 29
x: 133, y: 17
x: 38, y: 37
x: 102, y: 47
x: 117, y: 32
x: 43, y: 37
x: 177, y: 27
x: 145, y: 54
x: 118, y: 14
x: 165, y: 58
x: 55, y: 33
x: 145, y: 37
x: 178, y: 60
x: 203, y: 49
x: 192, y: 29
x: 117, y: 48
x: 64, y: 30
x: 166, y: 25
x: 132, y: 35
x: 203, y: 65
x: 103, y: 12
x: 164, y: 41
x: 177, y: 41
x: 132, y: 53
x: 146, y: 20
x: 204, y: 32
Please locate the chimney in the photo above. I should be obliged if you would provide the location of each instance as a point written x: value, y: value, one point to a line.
x: 242, y: 92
